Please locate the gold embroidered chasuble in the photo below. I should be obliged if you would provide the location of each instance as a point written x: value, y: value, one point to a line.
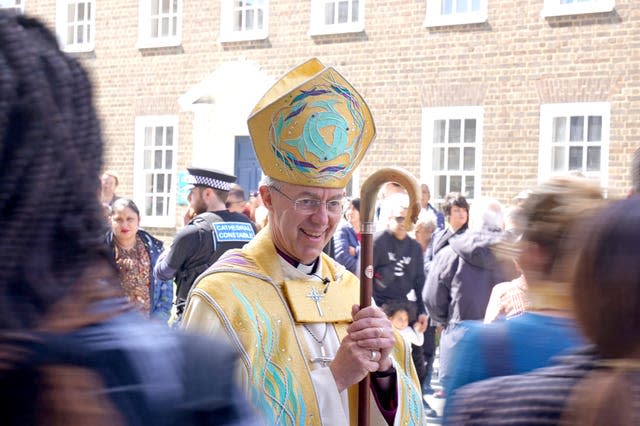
x: 258, y: 309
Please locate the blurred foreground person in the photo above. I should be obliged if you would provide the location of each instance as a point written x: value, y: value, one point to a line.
x: 290, y: 309
x: 597, y: 385
x: 136, y: 253
x: 72, y: 350
x: 529, y: 340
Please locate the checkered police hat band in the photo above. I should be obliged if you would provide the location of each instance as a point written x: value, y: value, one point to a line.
x: 214, y: 183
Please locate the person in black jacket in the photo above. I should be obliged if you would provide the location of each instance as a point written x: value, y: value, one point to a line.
x: 72, y: 349
x: 462, y: 275
x: 209, y: 234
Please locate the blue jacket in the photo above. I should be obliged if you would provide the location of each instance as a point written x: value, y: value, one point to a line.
x: 344, y: 238
x: 161, y: 291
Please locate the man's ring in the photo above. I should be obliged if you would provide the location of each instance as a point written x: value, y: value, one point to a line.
x: 373, y: 356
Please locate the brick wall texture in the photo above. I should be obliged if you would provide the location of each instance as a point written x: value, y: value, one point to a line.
x: 509, y: 65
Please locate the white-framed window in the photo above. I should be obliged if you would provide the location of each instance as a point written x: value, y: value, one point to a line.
x: 451, y: 159
x: 336, y: 16
x: 576, y: 7
x: 159, y: 23
x: 75, y: 24
x: 17, y: 5
x: 575, y: 137
x: 155, y: 172
x: 455, y: 12
x: 244, y: 20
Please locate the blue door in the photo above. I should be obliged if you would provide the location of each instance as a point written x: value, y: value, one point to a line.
x: 247, y: 169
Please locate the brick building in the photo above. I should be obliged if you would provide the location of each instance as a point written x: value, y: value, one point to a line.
x: 482, y: 96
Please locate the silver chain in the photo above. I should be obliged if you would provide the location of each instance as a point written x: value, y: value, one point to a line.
x: 324, y: 336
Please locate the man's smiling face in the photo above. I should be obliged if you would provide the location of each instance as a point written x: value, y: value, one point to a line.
x: 299, y: 234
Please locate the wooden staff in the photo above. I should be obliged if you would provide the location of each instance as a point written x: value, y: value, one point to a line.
x: 368, y: 195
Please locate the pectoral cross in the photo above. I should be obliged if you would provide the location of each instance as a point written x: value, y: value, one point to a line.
x: 316, y: 297
x: 323, y: 358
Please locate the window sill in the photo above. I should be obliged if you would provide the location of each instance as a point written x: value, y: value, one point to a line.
x: 336, y: 29
x: 578, y: 9
x: 444, y: 21
x: 235, y: 36
x: 156, y: 43
x: 79, y: 48
x: 159, y: 222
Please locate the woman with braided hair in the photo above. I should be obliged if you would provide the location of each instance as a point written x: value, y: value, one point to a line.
x: 72, y: 351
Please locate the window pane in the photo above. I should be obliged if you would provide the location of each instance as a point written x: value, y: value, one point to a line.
x: 475, y: 6
x: 165, y: 6
x: 469, y: 186
x: 454, y: 131
x: 260, y: 24
x: 354, y: 11
x: 441, y: 186
x: 453, y: 159
x: 80, y: 11
x: 575, y: 158
x: 148, y: 155
x: 169, y: 138
x: 159, y: 136
x: 160, y: 183
x: 154, y: 7
x: 461, y: 6
x: 147, y: 136
x: 71, y: 13
x: 70, y: 34
x: 470, y: 130
x: 89, y: 10
x: 148, y: 183
x: 469, y: 159
x: 559, y: 132
x: 148, y: 206
x: 237, y: 22
x: 455, y: 184
x: 80, y: 34
x: 168, y: 159
x: 88, y: 32
x: 157, y: 163
x: 439, y: 127
x: 165, y: 27
x: 447, y: 7
x: 558, y: 158
x: 249, y: 24
x: 343, y: 12
x: 159, y: 206
x: 154, y: 27
x: 594, y: 131
x: 593, y: 159
x: 169, y: 176
x: 438, y: 158
x: 576, y: 130
x: 329, y: 12
x: 174, y: 25
x: 175, y: 6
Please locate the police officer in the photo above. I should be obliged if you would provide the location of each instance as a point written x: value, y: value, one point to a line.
x: 207, y: 236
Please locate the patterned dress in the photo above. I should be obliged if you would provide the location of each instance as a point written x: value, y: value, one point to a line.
x: 134, y: 266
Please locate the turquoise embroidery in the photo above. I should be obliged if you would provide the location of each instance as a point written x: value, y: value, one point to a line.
x: 274, y: 390
x: 324, y: 136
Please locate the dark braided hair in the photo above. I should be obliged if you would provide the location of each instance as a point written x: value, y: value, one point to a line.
x: 51, y: 221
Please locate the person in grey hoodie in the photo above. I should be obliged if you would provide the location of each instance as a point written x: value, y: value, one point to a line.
x: 462, y: 275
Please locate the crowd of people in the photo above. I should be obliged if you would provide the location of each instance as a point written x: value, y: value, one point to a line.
x: 534, y: 308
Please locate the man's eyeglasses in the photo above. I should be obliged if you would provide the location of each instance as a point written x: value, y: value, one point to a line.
x: 399, y: 219
x: 310, y: 206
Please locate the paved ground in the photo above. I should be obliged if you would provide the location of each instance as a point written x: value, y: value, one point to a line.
x: 435, y: 403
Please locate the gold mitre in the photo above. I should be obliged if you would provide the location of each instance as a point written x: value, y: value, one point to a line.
x: 311, y: 128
